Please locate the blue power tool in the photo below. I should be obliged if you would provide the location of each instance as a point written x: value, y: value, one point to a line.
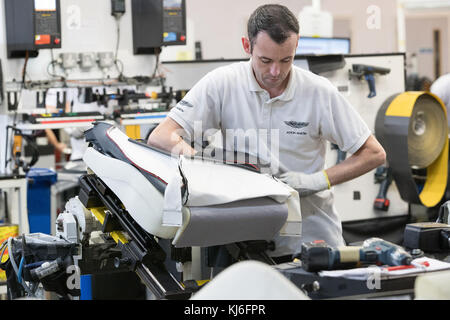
x: 318, y: 255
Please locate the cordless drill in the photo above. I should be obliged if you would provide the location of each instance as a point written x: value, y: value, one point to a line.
x: 383, y: 176
x: 318, y: 255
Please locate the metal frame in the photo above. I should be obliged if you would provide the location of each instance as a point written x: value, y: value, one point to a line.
x: 141, y: 253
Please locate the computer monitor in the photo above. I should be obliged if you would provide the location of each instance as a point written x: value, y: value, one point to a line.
x: 312, y: 45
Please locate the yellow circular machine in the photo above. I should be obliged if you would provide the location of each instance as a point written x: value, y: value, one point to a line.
x: 412, y: 127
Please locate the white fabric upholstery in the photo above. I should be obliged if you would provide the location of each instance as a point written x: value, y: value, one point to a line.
x: 250, y: 280
x: 214, y: 186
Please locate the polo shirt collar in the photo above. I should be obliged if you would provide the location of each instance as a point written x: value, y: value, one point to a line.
x: 288, y: 93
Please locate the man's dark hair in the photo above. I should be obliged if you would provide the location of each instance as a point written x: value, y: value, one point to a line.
x: 276, y: 20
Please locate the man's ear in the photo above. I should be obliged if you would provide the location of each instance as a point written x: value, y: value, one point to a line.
x: 246, y: 45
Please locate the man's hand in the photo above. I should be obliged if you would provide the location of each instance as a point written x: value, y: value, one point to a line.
x: 306, y: 184
x: 61, y: 147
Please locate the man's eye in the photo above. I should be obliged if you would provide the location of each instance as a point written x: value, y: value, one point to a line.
x: 265, y: 61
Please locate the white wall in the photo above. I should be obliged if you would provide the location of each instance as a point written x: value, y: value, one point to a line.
x: 371, y: 25
x: 219, y: 25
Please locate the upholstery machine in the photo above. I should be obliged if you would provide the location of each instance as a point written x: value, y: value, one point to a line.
x: 144, y: 210
x: 132, y: 197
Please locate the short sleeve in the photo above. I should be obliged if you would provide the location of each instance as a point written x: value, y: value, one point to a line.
x: 441, y: 88
x: 342, y: 124
x: 199, y: 110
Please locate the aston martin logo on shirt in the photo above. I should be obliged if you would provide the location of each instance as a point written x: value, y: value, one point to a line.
x: 185, y: 103
x: 296, y: 124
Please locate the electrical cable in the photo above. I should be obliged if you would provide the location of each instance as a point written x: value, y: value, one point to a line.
x: 52, y: 63
x: 443, y: 212
x: 16, y: 270
x: 33, y: 146
x: 2, y: 85
x: 7, y: 209
x: 6, y: 147
x: 11, y: 256
x: 54, y: 75
x: 35, y: 151
x: 117, y: 18
x: 9, y: 141
x: 121, y: 69
x: 15, y: 113
x: 22, y: 260
x: 156, y: 65
x: 3, y: 248
x: 53, y: 59
x: 24, y: 69
x: 19, y: 275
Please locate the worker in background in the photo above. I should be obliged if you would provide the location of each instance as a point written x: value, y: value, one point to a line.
x: 441, y: 88
x: 269, y: 92
x: 74, y: 103
x: 54, y: 140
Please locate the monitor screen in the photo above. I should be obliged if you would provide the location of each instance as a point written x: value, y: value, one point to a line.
x: 310, y: 45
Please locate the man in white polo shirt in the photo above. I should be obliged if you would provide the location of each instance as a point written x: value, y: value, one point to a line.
x: 441, y: 88
x: 293, y: 113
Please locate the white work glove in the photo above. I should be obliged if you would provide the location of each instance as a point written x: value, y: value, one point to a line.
x: 306, y: 184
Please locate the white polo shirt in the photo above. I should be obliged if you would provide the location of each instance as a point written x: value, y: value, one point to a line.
x: 291, y: 130
x: 441, y: 88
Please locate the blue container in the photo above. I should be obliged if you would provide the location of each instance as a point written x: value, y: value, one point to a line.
x: 40, y: 181
x: 86, y: 287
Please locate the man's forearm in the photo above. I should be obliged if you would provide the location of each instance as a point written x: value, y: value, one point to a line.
x: 166, y: 137
x: 368, y: 157
x: 51, y: 137
x: 180, y: 147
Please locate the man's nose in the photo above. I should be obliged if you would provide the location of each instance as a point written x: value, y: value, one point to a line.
x: 275, y: 70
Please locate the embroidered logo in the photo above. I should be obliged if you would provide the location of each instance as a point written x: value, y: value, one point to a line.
x: 296, y: 125
x: 185, y: 103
